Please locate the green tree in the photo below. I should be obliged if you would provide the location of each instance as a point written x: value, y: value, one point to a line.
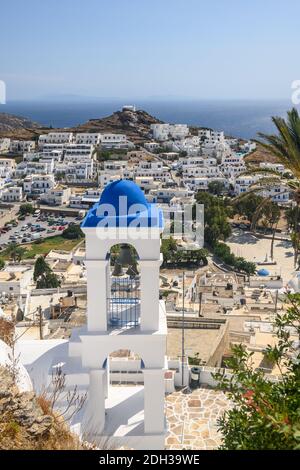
x: 266, y: 414
x: 44, y: 277
x: 216, y: 187
x: 48, y: 281
x: 240, y: 264
x: 247, y: 205
x: 2, y: 263
x: 172, y: 255
x: 73, y: 232
x: 216, y: 212
x: 40, y: 268
x: 26, y: 209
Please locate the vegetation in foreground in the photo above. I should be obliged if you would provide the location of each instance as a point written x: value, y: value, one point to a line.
x: 28, y: 421
x: 266, y: 414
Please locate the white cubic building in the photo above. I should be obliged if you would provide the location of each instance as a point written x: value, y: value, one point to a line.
x: 163, y: 132
x: 7, y: 167
x: 38, y: 184
x: 55, y: 138
x: 12, y: 194
x: 92, y: 138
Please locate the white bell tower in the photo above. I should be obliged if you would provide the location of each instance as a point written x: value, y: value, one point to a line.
x: 137, y: 323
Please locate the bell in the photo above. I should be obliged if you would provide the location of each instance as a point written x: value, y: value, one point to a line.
x: 125, y: 258
x: 132, y: 271
x: 118, y: 271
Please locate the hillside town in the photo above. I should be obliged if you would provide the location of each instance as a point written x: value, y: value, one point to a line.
x: 198, y: 300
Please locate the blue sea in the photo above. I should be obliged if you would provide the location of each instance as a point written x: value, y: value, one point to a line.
x: 237, y: 118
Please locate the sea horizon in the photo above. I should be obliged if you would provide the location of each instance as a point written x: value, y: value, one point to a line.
x: 237, y: 118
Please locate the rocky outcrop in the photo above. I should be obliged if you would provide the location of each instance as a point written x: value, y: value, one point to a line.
x: 10, y: 122
x: 20, y: 411
x: 28, y: 421
x: 135, y: 124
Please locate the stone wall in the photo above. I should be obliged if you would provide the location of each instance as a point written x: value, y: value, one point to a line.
x: 219, y: 346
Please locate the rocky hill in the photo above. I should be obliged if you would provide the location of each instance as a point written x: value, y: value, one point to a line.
x: 17, y: 126
x: 135, y: 124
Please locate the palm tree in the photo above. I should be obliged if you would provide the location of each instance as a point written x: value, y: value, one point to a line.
x: 285, y: 146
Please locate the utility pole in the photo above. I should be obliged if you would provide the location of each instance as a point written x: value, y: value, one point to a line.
x: 40, y: 322
x: 276, y: 300
x: 182, y: 335
x: 200, y: 304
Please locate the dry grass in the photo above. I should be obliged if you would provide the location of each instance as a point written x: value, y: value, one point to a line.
x: 6, y: 331
x: 45, y: 404
x: 260, y: 155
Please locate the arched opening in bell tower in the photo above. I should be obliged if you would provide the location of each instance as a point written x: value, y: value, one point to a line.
x: 124, y: 383
x: 124, y: 299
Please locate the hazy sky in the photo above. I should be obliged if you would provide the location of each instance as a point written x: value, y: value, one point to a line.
x: 143, y: 48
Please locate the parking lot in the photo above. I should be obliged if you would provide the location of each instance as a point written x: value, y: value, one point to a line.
x: 34, y: 228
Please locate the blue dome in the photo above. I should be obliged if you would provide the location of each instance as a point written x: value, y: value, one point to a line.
x: 112, y: 211
x: 130, y: 190
x: 263, y: 272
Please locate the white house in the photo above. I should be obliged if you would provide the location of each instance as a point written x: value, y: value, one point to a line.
x: 146, y: 183
x: 273, y: 167
x: 211, y: 136
x: 152, y: 146
x: 20, y: 146
x: 278, y: 192
x: 200, y: 183
x: 117, y: 141
x: 34, y: 168
x: 163, y: 132
x: 78, y: 152
x: 77, y: 171
x: 16, y: 280
x: 7, y: 167
x: 106, y: 177
x: 92, y: 138
x: 55, y: 138
x: 38, y: 184
x: 164, y: 195
x: 85, y: 200
x: 12, y: 194
x: 54, y: 154
x: 58, y: 196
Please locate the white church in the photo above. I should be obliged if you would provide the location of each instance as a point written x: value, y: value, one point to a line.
x: 118, y: 359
